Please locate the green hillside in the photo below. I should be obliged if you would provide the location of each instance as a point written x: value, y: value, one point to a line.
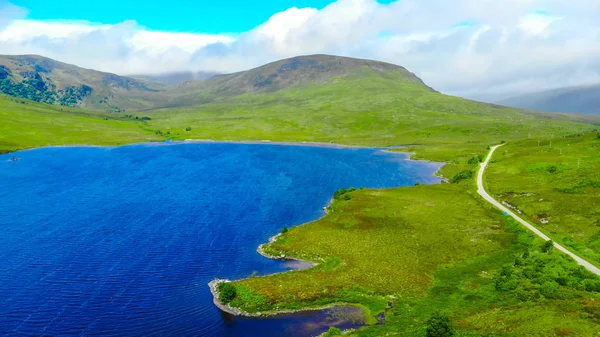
x: 45, y: 80
x: 25, y: 124
x: 356, y: 103
x: 295, y: 72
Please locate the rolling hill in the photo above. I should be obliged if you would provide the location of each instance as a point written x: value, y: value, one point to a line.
x: 48, y: 81
x: 585, y: 100
x: 318, y: 98
x: 297, y: 72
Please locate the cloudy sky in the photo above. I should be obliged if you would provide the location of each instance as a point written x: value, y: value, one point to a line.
x: 474, y: 48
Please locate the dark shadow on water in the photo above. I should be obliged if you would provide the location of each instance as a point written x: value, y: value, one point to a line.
x: 308, y: 323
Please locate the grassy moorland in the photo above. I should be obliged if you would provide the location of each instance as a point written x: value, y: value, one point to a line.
x: 363, y: 108
x: 25, y: 124
x: 555, y: 184
x: 426, y: 249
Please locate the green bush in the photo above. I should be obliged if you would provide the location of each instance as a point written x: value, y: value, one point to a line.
x: 550, y: 289
x: 476, y: 160
x: 467, y: 174
x: 333, y: 331
x: 188, y: 129
x: 547, y: 246
x: 439, y: 325
x: 226, y: 292
x: 342, y: 193
x: 284, y: 230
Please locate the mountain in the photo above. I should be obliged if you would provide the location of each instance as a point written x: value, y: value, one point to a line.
x: 584, y: 99
x: 176, y: 78
x: 48, y: 81
x: 296, y: 72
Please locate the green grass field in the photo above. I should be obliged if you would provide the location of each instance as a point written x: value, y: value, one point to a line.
x: 363, y: 109
x: 425, y: 249
x: 556, y: 186
x: 25, y: 124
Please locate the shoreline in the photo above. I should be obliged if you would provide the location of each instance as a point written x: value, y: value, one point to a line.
x: 304, y: 264
x: 407, y: 155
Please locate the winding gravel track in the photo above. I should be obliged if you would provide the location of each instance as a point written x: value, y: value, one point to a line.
x: 486, y: 196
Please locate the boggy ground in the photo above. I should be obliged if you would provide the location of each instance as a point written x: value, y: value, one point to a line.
x: 425, y: 249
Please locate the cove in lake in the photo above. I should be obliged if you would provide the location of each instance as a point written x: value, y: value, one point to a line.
x: 123, y: 240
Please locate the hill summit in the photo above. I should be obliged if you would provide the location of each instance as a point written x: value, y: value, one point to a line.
x: 48, y: 81
x: 301, y: 71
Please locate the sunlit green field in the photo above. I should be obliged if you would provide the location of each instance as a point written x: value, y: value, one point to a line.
x: 367, y: 110
x: 25, y: 124
x: 555, y: 184
x: 424, y: 249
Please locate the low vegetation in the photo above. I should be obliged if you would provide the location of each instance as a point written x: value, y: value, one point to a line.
x: 428, y: 249
x: 227, y: 292
x: 26, y: 124
x: 555, y: 183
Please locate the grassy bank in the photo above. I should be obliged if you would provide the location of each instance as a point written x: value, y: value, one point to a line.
x: 364, y: 109
x: 424, y: 249
x: 555, y: 183
x: 26, y: 124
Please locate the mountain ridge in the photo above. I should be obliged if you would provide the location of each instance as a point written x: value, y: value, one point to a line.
x: 53, y: 82
x: 576, y: 99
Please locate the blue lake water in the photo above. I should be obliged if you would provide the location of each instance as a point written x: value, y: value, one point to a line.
x: 122, y: 241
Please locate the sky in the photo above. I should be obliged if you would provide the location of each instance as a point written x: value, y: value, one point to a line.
x: 484, y: 49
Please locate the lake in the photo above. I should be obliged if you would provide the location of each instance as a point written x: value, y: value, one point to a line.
x: 114, y: 241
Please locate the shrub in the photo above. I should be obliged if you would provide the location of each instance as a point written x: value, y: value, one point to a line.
x: 552, y: 169
x: 550, y: 289
x: 284, y: 230
x: 439, y: 325
x: 333, y: 331
x: 467, y: 174
x: 188, y: 129
x: 342, y: 193
x: 547, y: 246
x: 337, y: 194
x: 476, y: 160
x: 226, y: 292
x: 592, y: 285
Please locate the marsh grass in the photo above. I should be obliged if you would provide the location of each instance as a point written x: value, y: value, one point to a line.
x: 557, y: 187
x: 423, y: 249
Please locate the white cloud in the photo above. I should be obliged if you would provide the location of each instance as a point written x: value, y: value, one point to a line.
x: 462, y: 47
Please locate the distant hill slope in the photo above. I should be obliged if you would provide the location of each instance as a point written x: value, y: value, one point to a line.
x: 585, y: 100
x: 48, y: 81
x: 296, y: 72
x: 175, y: 78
